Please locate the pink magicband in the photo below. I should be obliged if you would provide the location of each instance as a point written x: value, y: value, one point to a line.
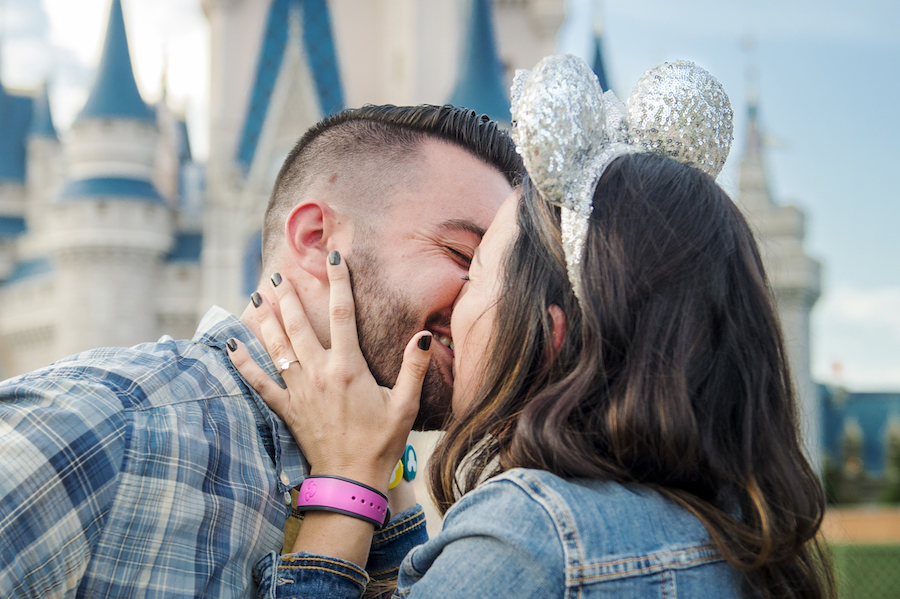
x: 344, y: 496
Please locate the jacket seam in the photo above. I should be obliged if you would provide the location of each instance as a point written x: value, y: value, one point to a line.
x: 395, y: 533
x: 383, y: 572
x: 645, y: 569
x: 321, y: 569
x: 560, y: 516
x: 658, y: 556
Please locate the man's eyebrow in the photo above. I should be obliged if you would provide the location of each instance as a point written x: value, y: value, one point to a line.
x: 461, y: 224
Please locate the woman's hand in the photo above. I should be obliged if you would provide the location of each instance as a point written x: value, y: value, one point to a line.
x: 345, y: 423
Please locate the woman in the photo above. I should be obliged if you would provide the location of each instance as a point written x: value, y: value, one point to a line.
x: 623, y: 418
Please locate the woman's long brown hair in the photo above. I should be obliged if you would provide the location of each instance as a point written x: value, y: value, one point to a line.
x: 673, y: 374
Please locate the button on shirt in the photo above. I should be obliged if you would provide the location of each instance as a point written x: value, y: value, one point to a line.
x: 152, y: 471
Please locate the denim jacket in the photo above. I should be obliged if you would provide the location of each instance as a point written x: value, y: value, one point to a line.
x: 529, y: 533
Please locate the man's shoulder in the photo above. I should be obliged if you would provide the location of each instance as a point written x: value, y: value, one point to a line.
x: 142, y: 376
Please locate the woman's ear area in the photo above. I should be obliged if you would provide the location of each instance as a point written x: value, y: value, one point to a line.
x: 558, y: 333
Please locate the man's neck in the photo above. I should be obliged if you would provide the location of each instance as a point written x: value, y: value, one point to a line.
x: 248, y: 317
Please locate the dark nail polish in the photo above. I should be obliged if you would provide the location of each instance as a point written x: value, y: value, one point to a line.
x: 425, y: 342
x: 231, y: 344
x: 256, y: 299
x: 276, y: 280
x: 334, y: 257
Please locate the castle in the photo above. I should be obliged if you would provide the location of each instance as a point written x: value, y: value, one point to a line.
x: 111, y: 234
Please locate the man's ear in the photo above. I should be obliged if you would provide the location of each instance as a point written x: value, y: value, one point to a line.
x: 559, y: 326
x: 307, y: 230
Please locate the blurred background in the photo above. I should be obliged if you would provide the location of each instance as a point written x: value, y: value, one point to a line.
x: 139, y: 141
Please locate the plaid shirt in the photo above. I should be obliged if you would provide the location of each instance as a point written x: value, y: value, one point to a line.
x: 153, y: 471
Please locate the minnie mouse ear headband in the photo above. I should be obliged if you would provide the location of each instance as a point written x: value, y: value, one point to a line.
x: 568, y: 131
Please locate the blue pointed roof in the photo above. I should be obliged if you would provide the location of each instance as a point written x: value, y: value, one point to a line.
x: 29, y: 269
x: 115, y: 93
x: 184, y: 142
x: 110, y: 188
x: 15, y: 116
x: 318, y: 46
x: 598, y: 65
x: 481, y: 84
x: 41, y: 119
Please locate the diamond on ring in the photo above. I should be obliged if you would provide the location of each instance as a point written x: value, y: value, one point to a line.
x: 284, y: 363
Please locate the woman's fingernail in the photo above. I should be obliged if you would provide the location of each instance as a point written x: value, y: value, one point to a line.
x: 256, y: 299
x: 334, y: 257
x: 276, y: 280
x: 231, y: 344
x: 424, y: 342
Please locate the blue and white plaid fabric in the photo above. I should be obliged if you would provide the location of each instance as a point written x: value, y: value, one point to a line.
x: 152, y: 471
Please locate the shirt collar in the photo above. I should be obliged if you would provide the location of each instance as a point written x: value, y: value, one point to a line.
x: 217, y: 327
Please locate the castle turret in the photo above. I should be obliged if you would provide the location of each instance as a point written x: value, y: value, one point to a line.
x: 109, y: 226
x: 598, y: 63
x: 43, y: 166
x: 793, y: 276
x: 15, y: 116
x: 481, y: 83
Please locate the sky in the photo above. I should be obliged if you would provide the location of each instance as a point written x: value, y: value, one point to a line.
x: 828, y: 78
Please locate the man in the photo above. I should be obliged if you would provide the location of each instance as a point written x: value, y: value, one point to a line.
x: 155, y: 470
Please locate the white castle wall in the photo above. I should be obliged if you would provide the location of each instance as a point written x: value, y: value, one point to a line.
x: 107, y: 256
x: 28, y: 323
x: 44, y: 176
x: 111, y: 148
x: 178, y: 306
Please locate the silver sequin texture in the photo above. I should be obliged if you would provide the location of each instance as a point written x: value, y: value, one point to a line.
x: 568, y: 131
x: 680, y: 110
x: 560, y: 121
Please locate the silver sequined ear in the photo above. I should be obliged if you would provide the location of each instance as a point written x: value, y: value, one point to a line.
x: 568, y: 131
x: 559, y: 118
x: 678, y: 109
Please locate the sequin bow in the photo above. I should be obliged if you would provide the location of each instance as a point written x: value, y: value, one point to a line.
x: 568, y: 131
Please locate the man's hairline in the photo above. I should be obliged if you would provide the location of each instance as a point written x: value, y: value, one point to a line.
x: 417, y: 152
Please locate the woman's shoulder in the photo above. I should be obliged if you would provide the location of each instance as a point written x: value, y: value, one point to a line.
x: 592, y: 516
x: 575, y: 533
x: 593, y: 494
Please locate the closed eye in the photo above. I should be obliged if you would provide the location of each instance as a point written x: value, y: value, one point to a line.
x: 460, y: 257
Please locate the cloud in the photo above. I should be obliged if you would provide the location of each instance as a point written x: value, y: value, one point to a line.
x: 860, y: 330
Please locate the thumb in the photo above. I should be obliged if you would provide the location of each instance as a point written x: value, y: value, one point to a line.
x: 416, y: 359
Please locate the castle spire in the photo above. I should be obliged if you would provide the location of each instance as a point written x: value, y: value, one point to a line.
x: 754, y: 135
x: 115, y: 93
x: 41, y: 119
x: 754, y: 185
x: 481, y: 83
x: 598, y: 65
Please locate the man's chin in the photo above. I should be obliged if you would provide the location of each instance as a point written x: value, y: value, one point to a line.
x: 435, y: 407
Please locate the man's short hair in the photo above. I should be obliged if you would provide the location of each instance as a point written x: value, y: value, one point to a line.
x: 371, y: 150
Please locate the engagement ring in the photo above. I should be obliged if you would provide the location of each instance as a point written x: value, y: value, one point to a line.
x: 285, y: 363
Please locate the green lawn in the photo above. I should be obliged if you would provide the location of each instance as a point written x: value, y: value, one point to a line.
x: 867, y: 571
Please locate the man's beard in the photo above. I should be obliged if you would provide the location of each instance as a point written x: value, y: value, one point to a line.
x: 386, y: 322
